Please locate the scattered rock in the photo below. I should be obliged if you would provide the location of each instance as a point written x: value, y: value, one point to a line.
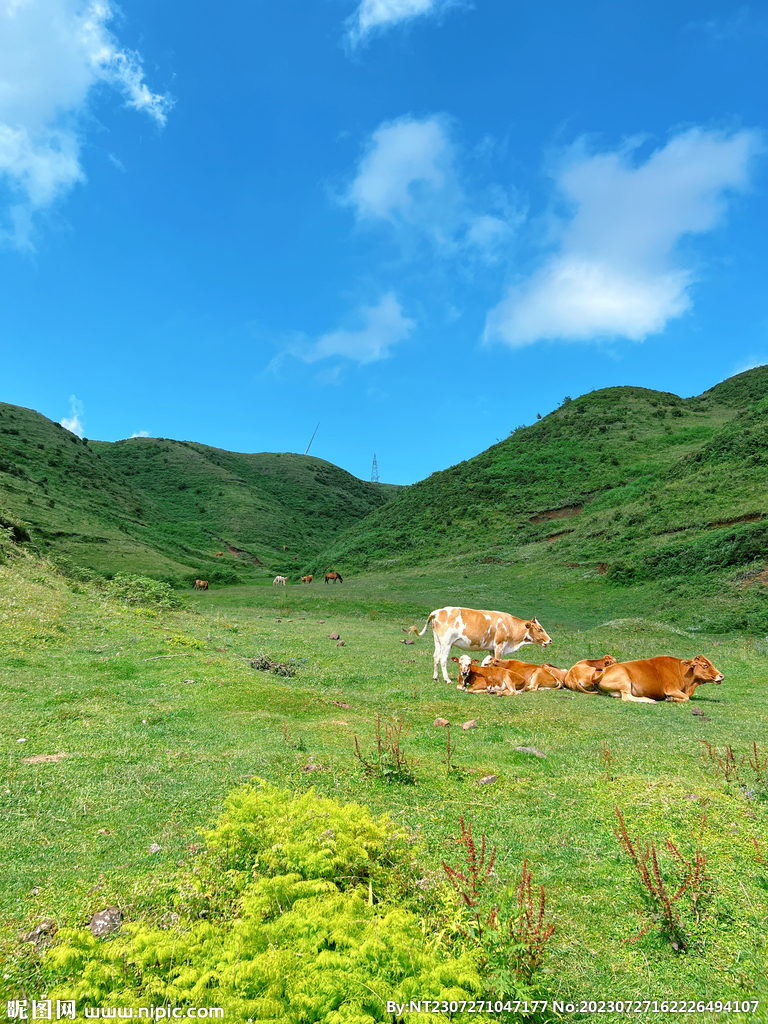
x: 440, y: 722
x: 334, y: 636
x: 697, y: 711
x: 187, y: 681
x: 487, y: 780
x: 320, y: 622
x: 341, y: 704
x: 194, y: 847
x: 103, y: 832
x: 43, y: 759
x: 154, y: 848
x: 35, y: 891
x: 278, y: 620
x: 315, y: 768
x: 530, y: 750
x: 41, y: 932
x: 469, y: 725
x: 106, y: 921
x: 704, y: 718
x: 340, y: 643
x: 690, y: 796
x: 566, y: 696
x: 406, y: 641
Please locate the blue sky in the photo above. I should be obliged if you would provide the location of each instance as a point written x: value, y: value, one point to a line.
x: 418, y: 222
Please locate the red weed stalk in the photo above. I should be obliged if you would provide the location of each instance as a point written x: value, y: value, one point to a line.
x: 529, y: 932
x: 656, y: 890
x: 470, y: 882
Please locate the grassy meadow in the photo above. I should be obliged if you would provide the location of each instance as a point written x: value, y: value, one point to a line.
x: 137, y: 722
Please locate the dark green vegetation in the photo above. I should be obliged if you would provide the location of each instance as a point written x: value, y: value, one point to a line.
x: 159, y: 715
x: 663, y: 494
x: 164, y: 508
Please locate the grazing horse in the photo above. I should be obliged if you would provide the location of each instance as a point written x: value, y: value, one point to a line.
x: 279, y: 579
x: 219, y: 554
x: 285, y: 547
x: 306, y: 579
x: 201, y: 584
x: 333, y: 576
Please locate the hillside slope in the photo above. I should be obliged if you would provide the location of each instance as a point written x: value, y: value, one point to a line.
x: 636, y: 484
x: 164, y: 508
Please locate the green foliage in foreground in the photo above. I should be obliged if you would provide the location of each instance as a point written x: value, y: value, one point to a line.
x: 320, y: 921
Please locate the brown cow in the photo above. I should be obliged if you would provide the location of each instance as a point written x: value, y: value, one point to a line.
x: 306, y: 579
x: 285, y: 547
x: 333, y: 576
x: 655, y: 679
x: 534, y: 677
x: 584, y: 674
x: 477, y: 678
x: 201, y: 584
x: 219, y: 554
x: 474, y: 630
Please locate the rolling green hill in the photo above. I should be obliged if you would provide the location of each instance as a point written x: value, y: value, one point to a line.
x: 635, y: 485
x: 164, y: 508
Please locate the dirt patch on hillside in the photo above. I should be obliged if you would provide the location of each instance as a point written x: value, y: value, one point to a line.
x: 759, y: 576
x: 556, y: 536
x: 556, y: 513
x: 753, y: 517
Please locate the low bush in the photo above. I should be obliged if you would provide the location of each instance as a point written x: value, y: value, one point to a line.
x: 300, y: 909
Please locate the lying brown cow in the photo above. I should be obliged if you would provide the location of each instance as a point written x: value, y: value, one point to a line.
x: 474, y: 630
x: 656, y: 679
x: 584, y: 674
x: 201, y: 584
x: 477, y: 678
x: 535, y: 677
x: 306, y: 579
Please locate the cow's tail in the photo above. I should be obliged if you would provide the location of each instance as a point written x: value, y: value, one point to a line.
x: 431, y: 616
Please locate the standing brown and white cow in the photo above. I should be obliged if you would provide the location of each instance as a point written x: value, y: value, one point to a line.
x: 474, y: 630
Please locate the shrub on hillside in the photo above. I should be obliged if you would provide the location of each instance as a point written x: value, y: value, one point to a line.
x: 300, y: 909
x: 141, y: 590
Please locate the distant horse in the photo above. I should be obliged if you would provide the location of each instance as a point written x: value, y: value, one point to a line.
x: 201, y: 584
x: 219, y: 554
x: 333, y: 576
x: 307, y: 579
x: 279, y: 579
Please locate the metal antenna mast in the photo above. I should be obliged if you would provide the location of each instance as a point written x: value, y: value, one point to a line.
x: 374, y: 471
x: 312, y: 439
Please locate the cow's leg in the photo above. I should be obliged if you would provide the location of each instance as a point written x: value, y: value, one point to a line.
x: 436, y: 658
x: 442, y: 658
x: 677, y: 696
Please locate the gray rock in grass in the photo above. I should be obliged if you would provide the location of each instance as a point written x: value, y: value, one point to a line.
x: 530, y: 750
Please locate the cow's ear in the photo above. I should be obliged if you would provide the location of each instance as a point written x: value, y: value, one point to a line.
x: 688, y: 663
x: 529, y: 625
x: 455, y: 659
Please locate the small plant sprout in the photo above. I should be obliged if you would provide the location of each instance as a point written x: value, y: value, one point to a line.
x: 606, y: 755
x: 449, y: 750
x: 390, y: 761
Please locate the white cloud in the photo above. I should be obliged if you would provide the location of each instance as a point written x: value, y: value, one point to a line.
x: 377, y: 15
x: 408, y: 178
x: 53, y: 53
x: 617, y: 272
x: 74, y: 422
x: 382, y: 327
x: 140, y: 433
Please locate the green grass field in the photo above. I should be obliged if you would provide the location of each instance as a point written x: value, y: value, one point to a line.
x: 159, y: 715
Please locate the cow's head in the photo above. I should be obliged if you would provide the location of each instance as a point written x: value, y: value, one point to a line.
x: 536, y: 634
x: 465, y: 666
x: 605, y: 662
x: 701, y: 670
